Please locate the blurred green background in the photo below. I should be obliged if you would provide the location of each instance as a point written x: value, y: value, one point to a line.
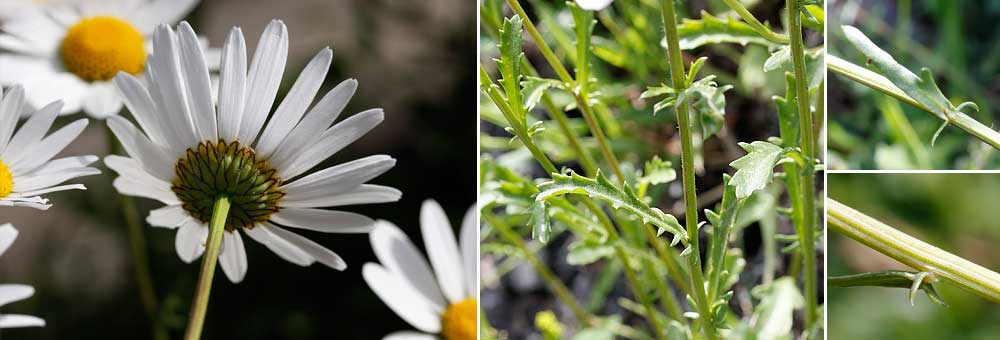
x: 957, y: 40
x: 954, y: 211
x: 407, y: 57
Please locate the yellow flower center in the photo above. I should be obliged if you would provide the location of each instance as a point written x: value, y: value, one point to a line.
x: 96, y: 48
x: 6, y: 180
x: 459, y: 321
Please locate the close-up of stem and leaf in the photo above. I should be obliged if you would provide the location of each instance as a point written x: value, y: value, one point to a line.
x: 869, y: 127
x: 912, y: 250
x: 590, y: 114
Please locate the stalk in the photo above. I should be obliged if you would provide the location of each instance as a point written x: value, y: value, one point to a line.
x: 556, y: 286
x: 912, y: 251
x: 764, y: 31
x: 808, y: 183
x: 519, y: 129
x: 882, y: 84
x: 211, y: 256
x: 677, y: 76
x: 140, y: 255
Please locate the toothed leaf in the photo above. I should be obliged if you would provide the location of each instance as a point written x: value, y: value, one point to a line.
x: 754, y: 170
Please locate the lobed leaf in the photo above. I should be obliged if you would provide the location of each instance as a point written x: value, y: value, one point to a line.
x: 891, y: 278
x: 712, y: 30
x: 509, y: 63
x: 602, y: 189
x: 755, y: 170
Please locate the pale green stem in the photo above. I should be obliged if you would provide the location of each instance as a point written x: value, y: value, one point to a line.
x: 761, y: 29
x: 882, y: 84
x: 808, y: 184
x: 518, y: 127
x: 556, y: 286
x: 211, y: 256
x: 678, y: 77
x: 913, y: 252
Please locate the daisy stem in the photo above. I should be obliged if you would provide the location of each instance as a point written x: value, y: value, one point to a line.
x: 214, y: 243
x: 557, y: 287
x: 807, y: 239
x: 140, y: 255
x: 678, y: 77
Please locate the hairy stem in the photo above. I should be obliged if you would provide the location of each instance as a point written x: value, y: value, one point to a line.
x: 209, y: 259
x: 678, y: 77
x: 808, y: 144
x: 912, y: 252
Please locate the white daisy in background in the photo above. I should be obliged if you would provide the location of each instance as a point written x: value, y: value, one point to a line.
x: 440, y: 303
x: 187, y: 153
x: 13, y: 292
x: 593, y: 5
x: 71, y: 50
x: 27, y: 169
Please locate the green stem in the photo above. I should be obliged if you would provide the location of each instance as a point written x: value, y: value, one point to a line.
x: 808, y: 184
x: 200, y: 305
x: 912, y: 252
x: 678, y: 77
x: 761, y: 29
x: 140, y: 255
x: 556, y: 286
x: 882, y: 84
x: 518, y: 127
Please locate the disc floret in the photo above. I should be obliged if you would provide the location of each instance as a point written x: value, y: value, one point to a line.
x: 220, y: 169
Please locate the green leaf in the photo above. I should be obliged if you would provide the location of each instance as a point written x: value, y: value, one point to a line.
x: 774, y: 314
x: 788, y: 117
x: 534, y: 88
x: 713, y: 30
x: 510, y: 65
x: 755, y: 170
x: 709, y: 101
x: 923, y: 89
x: 658, y: 172
x: 602, y: 189
x: 587, y: 251
x: 780, y: 57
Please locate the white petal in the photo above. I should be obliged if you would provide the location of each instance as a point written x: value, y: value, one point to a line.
x: 150, y: 156
x: 140, y: 104
x: 18, y: 321
x: 135, y: 181
x: 199, y: 84
x: 66, y: 163
x: 401, y: 299
x: 334, y: 139
x: 362, y: 194
x: 401, y: 257
x: 294, y: 106
x: 232, y: 84
x: 43, y: 90
x: 10, y: 111
x: 264, y: 78
x: 14, y: 292
x: 233, y: 257
x: 338, y: 178
x: 32, y: 183
x: 190, y: 240
x: 31, y: 132
x: 284, y: 249
x: 168, y: 89
x: 36, y: 155
x: 593, y: 5
x: 35, y: 193
x: 439, y: 240
x: 316, y: 251
x: 170, y: 217
x: 327, y: 221
x: 161, y: 11
x: 7, y: 236
x: 409, y: 336
x: 470, y: 251
x: 102, y: 100
x: 311, y: 128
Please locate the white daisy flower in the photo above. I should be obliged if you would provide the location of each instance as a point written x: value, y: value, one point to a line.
x: 27, y: 169
x: 12, y: 292
x: 593, y: 5
x: 440, y: 303
x: 71, y: 50
x: 187, y: 153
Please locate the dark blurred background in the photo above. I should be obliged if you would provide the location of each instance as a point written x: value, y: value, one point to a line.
x: 955, y: 212
x: 957, y: 40
x: 415, y: 59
